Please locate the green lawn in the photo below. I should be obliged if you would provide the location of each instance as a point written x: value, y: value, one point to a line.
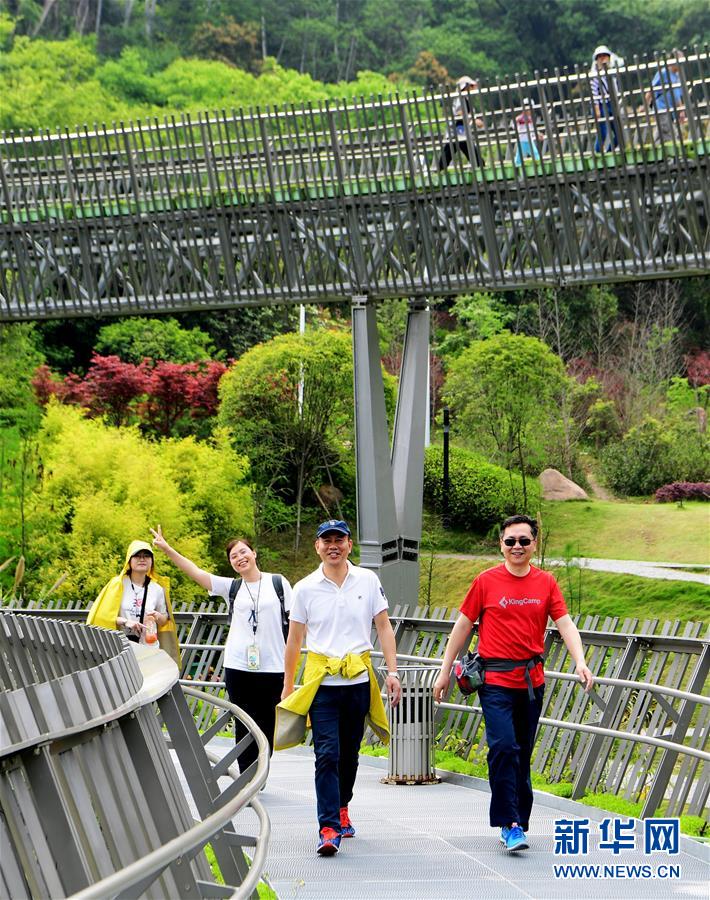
x: 587, y: 593
x: 663, y: 532
x: 614, y: 529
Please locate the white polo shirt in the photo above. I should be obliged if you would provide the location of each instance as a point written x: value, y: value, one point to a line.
x: 338, y: 620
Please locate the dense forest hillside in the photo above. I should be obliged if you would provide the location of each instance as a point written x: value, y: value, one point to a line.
x: 332, y: 40
x: 615, y: 378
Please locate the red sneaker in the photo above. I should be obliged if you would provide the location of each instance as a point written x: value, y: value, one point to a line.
x: 329, y: 842
x: 346, y: 826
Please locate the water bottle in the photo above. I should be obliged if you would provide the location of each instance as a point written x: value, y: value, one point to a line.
x: 151, y: 632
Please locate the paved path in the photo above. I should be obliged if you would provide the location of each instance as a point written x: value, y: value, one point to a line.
x: 668, y: 571
x: 433, y: 842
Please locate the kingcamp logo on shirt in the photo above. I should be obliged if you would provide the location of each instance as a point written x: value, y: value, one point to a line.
x: 518, y: 601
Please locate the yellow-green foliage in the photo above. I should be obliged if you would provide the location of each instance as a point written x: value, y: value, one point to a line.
x: 103, y: 487
x: 53, y: 84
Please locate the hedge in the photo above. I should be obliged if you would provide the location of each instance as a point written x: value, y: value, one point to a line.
x: 683, y: 490
x: 480, y: 493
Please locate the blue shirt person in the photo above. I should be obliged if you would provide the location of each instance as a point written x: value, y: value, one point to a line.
x: 666, y: 97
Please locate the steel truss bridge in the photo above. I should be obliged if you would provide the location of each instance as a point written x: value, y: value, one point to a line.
x: 330, y: 201
x: 336, y: 202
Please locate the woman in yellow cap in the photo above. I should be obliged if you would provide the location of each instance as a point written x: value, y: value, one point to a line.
x: 137, y: 602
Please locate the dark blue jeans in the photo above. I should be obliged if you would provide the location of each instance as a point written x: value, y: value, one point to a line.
x: 338, y: 723
x: 511, y: 722
x: 606, y: 126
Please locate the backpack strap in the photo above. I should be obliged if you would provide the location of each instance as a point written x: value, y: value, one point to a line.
x: 278, y: 583
x: 233, y: 591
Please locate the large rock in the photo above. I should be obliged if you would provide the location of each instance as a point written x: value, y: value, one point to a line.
x: 556, y: 487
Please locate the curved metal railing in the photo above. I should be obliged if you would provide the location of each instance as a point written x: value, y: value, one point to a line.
x: 642, y: 733
x: 91, y: 804
x: 195, y: 838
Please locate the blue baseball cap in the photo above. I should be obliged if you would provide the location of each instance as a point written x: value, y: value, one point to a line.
x: 333, y: 525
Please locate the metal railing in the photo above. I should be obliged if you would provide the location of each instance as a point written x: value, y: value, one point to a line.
x: 642, y: 734
x: 340, y: 199
x: 91, y: 802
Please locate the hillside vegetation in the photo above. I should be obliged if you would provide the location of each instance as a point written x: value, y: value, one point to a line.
x: 610, y: 382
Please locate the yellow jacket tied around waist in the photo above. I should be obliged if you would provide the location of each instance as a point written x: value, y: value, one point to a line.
x: 292, y: 713
x: 105, y: 608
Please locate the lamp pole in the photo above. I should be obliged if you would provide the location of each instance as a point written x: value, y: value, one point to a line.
x: 446, y: 482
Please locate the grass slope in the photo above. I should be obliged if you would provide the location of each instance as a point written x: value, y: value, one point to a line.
x: 587, y: 593
x: 662, y: 532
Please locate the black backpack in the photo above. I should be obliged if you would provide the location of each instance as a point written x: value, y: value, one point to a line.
x: 278, y: 584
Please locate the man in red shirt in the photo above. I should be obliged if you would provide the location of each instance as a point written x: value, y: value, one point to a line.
x: 512, y: 602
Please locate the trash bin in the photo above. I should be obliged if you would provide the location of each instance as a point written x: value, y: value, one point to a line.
x: 411, y: 758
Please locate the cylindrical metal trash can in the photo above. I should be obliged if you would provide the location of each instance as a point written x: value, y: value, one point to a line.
x: 411, y: 757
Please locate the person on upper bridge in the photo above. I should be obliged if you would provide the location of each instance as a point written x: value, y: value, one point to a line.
x: 137, y: 602
x: 254, y: 652
x: 512, y: 603
x: 527, y: 134
x: 463, y: 111
x: 606, y: 98
x: 666, y: 98
x: 335, y: 607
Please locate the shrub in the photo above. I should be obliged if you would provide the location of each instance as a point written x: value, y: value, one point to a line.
x: 653, y: 454
x: 480, y: 495
x: 102, y: 487
x: 683, y: 490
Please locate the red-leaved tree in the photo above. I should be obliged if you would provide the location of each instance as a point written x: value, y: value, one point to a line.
x: 162, y: 396
x: 697, y: 365
x: 112, y: 386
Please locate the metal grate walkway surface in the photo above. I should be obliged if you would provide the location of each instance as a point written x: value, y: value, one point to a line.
x: 434, y: 842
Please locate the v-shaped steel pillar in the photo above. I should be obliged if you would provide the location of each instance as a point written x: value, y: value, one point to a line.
x: 390, y: 482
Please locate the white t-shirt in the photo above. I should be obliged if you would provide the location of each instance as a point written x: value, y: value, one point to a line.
x: 338, y: 620
x: 132, y: 602
x: 260, y: 596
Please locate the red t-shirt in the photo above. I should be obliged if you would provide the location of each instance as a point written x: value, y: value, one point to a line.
x: 516, y: 612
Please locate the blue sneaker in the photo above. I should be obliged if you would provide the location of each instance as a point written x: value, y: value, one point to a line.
x: 329, y: 842
x: 515, y: 838
x: 504, y: 832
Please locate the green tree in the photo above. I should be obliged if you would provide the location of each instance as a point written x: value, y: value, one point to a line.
x: 292, y: 446
x: 19, y: 357
x: 233, y: 331
x: 46, y: 84
x: 480, y: 315
x: 228, y: 41
x: 136, y: 339
x: 102, y: 487
x: 130, y: 78
x: 655, y: 453
x: 503, y: 393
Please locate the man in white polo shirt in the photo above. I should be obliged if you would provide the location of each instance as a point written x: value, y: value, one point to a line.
x: 334, y: 607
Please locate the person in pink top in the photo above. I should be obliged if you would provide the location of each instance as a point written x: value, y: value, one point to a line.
x: 527, y: 136
x: 512, y: 603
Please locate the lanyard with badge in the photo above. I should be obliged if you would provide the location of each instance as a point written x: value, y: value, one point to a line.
x: 253, y: 648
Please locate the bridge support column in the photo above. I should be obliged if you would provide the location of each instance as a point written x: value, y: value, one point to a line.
x: 390, y: 483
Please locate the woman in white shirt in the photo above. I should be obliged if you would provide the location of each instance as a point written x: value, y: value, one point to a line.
x: 254, y: 652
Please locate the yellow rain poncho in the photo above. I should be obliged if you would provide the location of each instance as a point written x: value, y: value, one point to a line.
x: 105, y: 608
x: 292, y: 713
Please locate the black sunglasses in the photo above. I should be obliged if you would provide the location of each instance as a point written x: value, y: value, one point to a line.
x: 523, y: 541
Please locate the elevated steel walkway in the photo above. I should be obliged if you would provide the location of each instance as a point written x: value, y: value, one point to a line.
x: 346, y: 202
x: 434, y: 842
x: 337, y: 200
